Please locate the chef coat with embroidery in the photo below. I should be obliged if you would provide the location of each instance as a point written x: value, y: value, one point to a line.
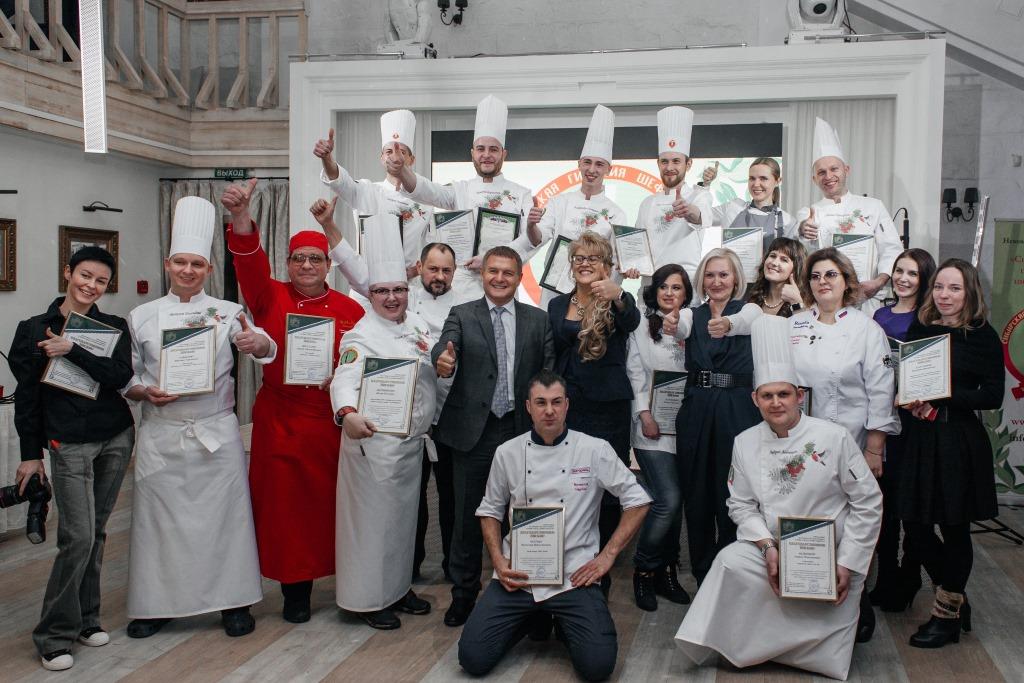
x: 676, y: 240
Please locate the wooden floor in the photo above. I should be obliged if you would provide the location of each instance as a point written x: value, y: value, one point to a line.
x: 337, y: 647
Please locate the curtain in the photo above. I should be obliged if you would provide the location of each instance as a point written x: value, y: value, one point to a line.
x: 866, y: 129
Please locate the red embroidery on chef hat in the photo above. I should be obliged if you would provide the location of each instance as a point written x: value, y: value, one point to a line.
x: 394, y: 136
x: 671, y: 143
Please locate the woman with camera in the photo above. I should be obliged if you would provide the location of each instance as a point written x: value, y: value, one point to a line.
x: 90, y: 442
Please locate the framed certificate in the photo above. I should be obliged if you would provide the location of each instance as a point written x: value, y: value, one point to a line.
x: 667, y: 390
x: 93, y: 336
x: 633, y: 249
x: 808, y: 402
x: 494, y: 228
x: 557, y: 275
x: 924, y: 370
x: 807, y: 558
x: 187, y: 360
x: 860, y: 249
x: 747, y: 244
x: 458, y: 231
x: 537, y: 540
x: 309, y: 349
x: 386, y: 390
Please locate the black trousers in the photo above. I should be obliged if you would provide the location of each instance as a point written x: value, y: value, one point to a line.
x: 705, y: 492
x: 953, y: 555
x: 502, y: 618
x: 469, y: 480
x: 445, y: 505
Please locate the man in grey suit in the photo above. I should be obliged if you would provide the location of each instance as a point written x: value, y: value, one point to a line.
x: 493, y: 346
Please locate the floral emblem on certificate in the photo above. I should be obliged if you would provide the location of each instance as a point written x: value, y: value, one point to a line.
x: 495, y: 200
x: 787, y: 476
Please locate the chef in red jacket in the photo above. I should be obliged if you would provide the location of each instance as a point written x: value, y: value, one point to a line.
x: 294, y: 460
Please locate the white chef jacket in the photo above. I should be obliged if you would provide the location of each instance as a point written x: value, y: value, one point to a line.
x: 646, y: 356
x: 855, y: 215
x: 742, y: 322
x: 676, y: 240
x: 369, y: 198
x: 575, y: 472
x: 726, y: 215
x: 500, y: 194
x: 434, y: 311
x: 844, y: 364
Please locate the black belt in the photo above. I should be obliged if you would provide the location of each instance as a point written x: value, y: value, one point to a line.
x: 706, y: 379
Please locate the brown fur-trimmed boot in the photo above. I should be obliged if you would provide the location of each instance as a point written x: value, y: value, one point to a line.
x: 945, y: 624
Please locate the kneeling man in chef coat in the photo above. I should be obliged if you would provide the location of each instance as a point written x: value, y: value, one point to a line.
x: 790, y: 465
x: 552, y: 470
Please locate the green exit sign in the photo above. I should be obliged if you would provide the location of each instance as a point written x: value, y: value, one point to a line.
x: 231, y: 173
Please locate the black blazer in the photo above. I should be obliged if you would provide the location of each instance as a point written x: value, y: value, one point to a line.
x: 604, y: 379
x: 469, y: 328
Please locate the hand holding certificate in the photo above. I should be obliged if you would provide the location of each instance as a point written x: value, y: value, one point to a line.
x: 807, y: 558
x: 633, y: 249
x: 537, y: 539
x: 668, y: 388
x: 557, y: 275
x: 187, y: 360
x: 309, y: 349
x: 93, y: 336
x: 386, y: 393
x: 924, y: 370
x: 493, y: 229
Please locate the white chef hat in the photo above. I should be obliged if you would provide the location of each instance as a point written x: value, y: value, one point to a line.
x: 826, y: 142
x: 600, y: 135
x: 398, y: 126
x: 491, y: 119
x: 192, y: 231
x: 772, y: 351
x: 675, y: 124
x: 382, y: 249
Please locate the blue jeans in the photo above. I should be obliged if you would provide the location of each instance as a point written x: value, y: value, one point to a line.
x: 658, y: 544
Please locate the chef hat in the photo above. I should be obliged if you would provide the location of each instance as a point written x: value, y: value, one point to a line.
x: 826, y: 142
x: 192, y: 231
x: 491, y: 119
x: 382, y: 249
x: 398, y: 126
x: 674, y: 127
x: 772, y: 351
x: 600, y: 134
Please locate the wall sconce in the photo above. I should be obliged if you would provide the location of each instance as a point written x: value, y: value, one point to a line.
x: 955, y: 213
x: 445, y: 5
x: 100, y: 206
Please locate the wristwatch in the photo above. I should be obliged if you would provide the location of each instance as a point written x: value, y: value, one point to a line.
x: 764, y: 549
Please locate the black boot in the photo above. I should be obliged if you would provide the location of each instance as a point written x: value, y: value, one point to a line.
x: 237, y: 621
x: 666, y: 584
x: 644, y: 591
x: 297, y: 608
x: 948, y: 618
x: 902, y: 593
x: 866, y: 621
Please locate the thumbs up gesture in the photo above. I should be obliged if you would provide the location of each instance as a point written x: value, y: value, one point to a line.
x: 324, y: 151
x: 55, y: 345
x: 536, y: 213
x: 445, y: 364
x: 791, y: 291
x: 670, y: 323
x: 679, y: 206
x: 236, y: 199
x: 323, y: 211
x: 249, y: 341
x: 709, y: 175
x: 809, y: 227
x: 394, y: 159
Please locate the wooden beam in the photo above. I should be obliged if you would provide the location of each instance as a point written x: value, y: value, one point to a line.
x: 180, y: 94
x: 159, y: 88
x: 59, y: 36
x: 29, y: 29
x: 208, y: 97
x: 199, y: 10
x: 126, y: 73
x: 238, y: 95
x: 9, y: 37
x: 267, y: 98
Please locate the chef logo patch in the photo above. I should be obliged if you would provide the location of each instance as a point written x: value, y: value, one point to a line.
x: 349, y: 355
x: 672, y: 143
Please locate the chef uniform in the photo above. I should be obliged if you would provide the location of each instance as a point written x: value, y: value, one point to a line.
x: 773, y: 221
x: 817, y: 470
x: 570, y: 213
x: 369, y: 198
x: 851, y: 215
x: 846, y: 366
x: 675, y: 240
x: 193, y: 546
x: 294, y: 442
x: 574, y: 472
x: 379, y: 477
x: 500, y: 194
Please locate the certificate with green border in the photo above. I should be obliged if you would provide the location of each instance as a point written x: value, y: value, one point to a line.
x: 187, y: 360
x: 668, y: 388
x: 494, y: 229
x: 807, y: 558
x: 309, y: 349
x: 386, y: 393
x: 97, y: 338
x: 537, y: 540
x: 557, y: 275
x: 924, y: 370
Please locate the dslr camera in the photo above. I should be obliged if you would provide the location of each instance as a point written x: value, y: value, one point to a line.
x: 38, y: 494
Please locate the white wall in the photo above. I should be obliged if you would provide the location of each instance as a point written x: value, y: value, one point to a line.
x: 54, y: 180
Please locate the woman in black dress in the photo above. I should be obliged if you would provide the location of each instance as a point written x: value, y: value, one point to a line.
x: 947, y: 468
x: 591, y: 326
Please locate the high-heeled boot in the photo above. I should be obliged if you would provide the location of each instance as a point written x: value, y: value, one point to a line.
x: 945, y: 623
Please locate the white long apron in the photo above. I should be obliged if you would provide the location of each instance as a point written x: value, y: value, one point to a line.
x: 379, y: 477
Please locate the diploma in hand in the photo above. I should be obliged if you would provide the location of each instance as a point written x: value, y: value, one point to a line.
x: 807, y: 558
x: 633, y: 249
x: 860, y: 249
x: 309, y: 347
x: 924, y: 370
x: 747, y: 244
x: 386, y: 391
x: 557, y: 275
x: 93, y: 336
x: 457, y: 230
x: 187, y: 360
x: 537, y: 539
x: 667, y: 391
x: 493, y: 229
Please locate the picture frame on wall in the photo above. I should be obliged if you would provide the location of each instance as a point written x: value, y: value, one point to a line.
x: 8, y: 255
x: 71, y: 239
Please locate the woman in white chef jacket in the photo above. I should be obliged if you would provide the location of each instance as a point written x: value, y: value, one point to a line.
x: 379, y: 474
x: 652, y: 348
x: 763, y: 210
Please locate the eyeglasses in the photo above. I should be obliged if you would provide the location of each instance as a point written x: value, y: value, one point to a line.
x: 579, y: 260
x: 830, y: 275
x: 385, y: 292
x: 314, y: 259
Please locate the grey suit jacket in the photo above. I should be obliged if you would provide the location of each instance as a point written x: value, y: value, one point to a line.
x: 469, y: 328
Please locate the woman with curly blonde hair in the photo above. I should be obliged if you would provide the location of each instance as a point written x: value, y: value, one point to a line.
x: 591, y: 327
